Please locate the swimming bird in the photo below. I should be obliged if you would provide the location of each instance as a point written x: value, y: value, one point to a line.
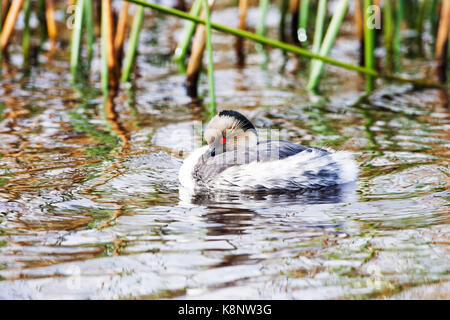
x: 235, y: 159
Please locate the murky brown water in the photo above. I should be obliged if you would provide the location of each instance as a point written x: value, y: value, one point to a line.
x: 89, y: 202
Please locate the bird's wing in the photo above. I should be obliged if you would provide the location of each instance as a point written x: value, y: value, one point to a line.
x: 211, y: 166
x: 270, y: 150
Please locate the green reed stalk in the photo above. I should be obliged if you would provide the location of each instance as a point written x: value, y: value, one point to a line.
x: 75, y: 49
x: 388, y: 24
x: 423, y: 9
x: 448, y: 47
x: 209, y: 48
x: 261, y: 28
x: 317, y: 42
x: 132, y: 44
x: 285, y: 46
x: 26, y: 37
x: 42, y: 22
x: 388, y: 32
x: 89, y: 25
x: 320, y: 25
x: 399, y: 14
x: 261, y: 25
x: 432, y: 18
x: 188, y: 31
x: 104, y: 63
x: 328, y: 41
x: 303, y: 14
x: 410, y: 13
x: 284, y: 6
x: 369, y: 46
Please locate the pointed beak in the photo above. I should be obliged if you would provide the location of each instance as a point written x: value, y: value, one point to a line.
x: 211, y: 152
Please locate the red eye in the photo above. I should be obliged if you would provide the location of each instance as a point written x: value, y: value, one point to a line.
x: 223, y: 140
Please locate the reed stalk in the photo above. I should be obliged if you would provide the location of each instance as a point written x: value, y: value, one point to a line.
x: 195, y: 59
x: 243, y: 7
x: 303, y: 19
x: 120, y: 33
x: 443, y: 30
x: 188, y: 31
x: 442, y: 41
x: 51, y: 23
x: 1, y: 27
x: 320, y: 25
x: 261, y: 25
x: 388, y: 26
x: 423, y: 8
x: 396, y: 47
x: 42, y: 21
x: 328, y: 41
x: 3, y: 8
x: 209, y: 48
x: 133, y: 42
x: 359, y: 22
x: 294, y: 6
x: 89, y: 24
x: 75, y: 49
x: 432, y: 18
x: 104, y: 57
x: 448, y: 49
x: 284, y: 7
x: 108, y: 34
x: 369, y: 46
x: 26, y: 37
x: 97, y: 13
x: 10, y: 22
x: 410, y: 9
x: 285, y: 46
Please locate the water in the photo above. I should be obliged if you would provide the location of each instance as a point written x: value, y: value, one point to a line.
x: 90, y: 206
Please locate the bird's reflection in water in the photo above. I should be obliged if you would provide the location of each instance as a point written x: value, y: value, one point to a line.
x: 335, y: 194
x: 228, y: 223
x: 231, y: 215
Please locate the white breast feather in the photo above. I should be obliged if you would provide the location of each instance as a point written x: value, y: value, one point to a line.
x: 185, y: 173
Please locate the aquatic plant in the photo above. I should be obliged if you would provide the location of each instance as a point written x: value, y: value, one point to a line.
x: 303, y: 17
x: 133, y: 43
x: 117, y: 65
x: 240, y: 54
x: 188, y: 31
x: 328, y: 41
x: 369, y: 45
x: 212, y: 97
x: 26, y: 38
x: 76, y: 38
x: 1, y: 27
x: 285, y: 46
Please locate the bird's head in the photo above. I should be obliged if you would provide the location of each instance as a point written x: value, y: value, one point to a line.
x: 228, y: 131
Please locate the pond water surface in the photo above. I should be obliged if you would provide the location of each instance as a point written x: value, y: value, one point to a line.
x: 89, y: 199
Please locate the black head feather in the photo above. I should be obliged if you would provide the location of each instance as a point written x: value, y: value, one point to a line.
x: 246, y: 124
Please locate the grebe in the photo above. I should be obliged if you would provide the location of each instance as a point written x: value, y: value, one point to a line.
x: 235, y: 160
